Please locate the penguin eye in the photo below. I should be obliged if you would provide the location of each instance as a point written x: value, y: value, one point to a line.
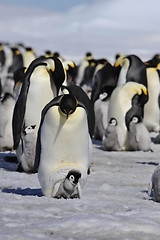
x: 71, y: 178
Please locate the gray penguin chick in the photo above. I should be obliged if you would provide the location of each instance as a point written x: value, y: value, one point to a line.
x: 69, y: 187
x: 138, y: 138
x: 113, y: 139
x: 155, y: 184
x: 28, y: 149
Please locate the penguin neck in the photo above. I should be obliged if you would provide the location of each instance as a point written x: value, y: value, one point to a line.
x: 123, y: 72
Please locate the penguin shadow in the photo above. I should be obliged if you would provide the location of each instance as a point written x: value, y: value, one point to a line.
x: 8, y: 161
x: 148, y: 163
x: 24, y: 192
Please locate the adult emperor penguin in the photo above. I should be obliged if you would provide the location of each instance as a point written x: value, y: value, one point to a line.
x: 132, y: 69
x: 152, y: 107
x: 16, y: 62
x: 155, y: 184
x: 28, y: 56
x: 2, y: 57
x: 84, y: 63
x: 41, y: 83
x: 129, y: 99
x: 6, y: 111
x: 113, y: 139
x: 138, y: 138
x: 64, y: 148
x: 104, y: 81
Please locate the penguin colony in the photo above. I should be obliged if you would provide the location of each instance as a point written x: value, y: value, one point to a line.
x: 52, y: 109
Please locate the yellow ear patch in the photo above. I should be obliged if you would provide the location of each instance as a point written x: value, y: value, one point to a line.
x: 158, y: 66
x: 144, y: 89
x: 17, y: 52
x: 139, y: 90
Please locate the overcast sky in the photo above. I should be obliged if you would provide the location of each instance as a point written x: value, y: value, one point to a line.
x: 60, y: 5
x: 75, y: 26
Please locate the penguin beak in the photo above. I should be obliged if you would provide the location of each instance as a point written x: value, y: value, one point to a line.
x: 67, y: 113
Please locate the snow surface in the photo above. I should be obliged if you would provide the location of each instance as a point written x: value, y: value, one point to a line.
x: 114, y: 203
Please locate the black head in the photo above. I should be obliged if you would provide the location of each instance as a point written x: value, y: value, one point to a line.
x: 29, y: 129
x: 113, y: 122
x: 56, y: 54
x: 68, y: 104
x: 73, y: 176
x: 136, y: 119
x: 29, y: 49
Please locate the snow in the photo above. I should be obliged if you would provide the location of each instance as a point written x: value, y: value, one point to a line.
x: 114, y: 203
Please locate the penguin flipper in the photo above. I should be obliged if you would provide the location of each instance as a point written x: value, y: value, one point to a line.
x: 18, y: 114
x: 53, y: 102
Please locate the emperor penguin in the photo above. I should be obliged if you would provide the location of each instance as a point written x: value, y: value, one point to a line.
x: 113, y: 139
x: 152, y: 107
x: 13, y: 62
x: 71, y: 71
x: 2, y: 58
x: 64, y: 148
x: 104, y: 79
x: 154, y: 184
x: 101, y: 115
x: 138, y: 138
x: 84, y: 63
x: 28, y: 141
x: 28, y: 56
x: 126, y: 100
x: 153, y: 61
x: 7, y: 103
x: 132, y: 69
x: 41, y: 83
x: 16, y: 62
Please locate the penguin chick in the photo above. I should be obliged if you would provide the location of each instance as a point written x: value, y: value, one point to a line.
x: 113, y: 139
x: 155, y: 184
x: 28, y: 149
x: 69, y: 187
x: 101, y: 115
x: 138, y: 138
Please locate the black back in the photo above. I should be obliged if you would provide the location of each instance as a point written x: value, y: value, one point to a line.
x: 136, y: 71
x: 104, y: 81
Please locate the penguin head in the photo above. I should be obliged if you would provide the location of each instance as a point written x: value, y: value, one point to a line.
x: 68, y: 104
x: 136, y: 119
x: 113, y: 122
x: 50, y: 64
x: 29, y: 129
x: 73, y: 176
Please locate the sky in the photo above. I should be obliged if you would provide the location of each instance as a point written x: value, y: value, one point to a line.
x: 54, y: 5
x: 73, y: 27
